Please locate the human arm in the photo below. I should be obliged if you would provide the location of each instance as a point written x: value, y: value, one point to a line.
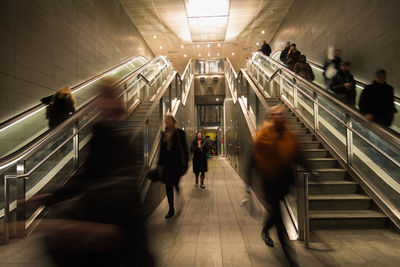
x: 47, y: 100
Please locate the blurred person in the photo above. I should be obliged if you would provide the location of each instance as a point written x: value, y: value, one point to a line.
x: 343, y: 85
x: 173, y: 159
x: 96, y: 218
x: 285, y: 52
x: 377, y: 100
x: 60, y: 106
x: 304, y: 69
x: 292, y: 56
x: 199, y: 149
x: 265, y: 49
x: 275, y: 153
x: 332, y: 66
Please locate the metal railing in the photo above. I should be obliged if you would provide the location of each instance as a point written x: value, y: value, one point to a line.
x: 368, y: 151
x: 46, y: 162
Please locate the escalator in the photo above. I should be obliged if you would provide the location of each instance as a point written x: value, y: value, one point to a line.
x: 46, y: 161
x: 358, y: 161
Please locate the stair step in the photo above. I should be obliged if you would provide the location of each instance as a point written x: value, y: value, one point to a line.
x: 315, y: 153
x: 322, y: 163
x: 292, y: 119
x: 332, y: 187
x: 300, y: 130
x: 305, y: 137
x: 331, y: 174
x: 310, y: 144
x: 339, y: 202
x: 348, y: 219
x: 295, y: 125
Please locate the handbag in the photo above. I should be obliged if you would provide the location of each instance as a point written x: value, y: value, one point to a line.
x: 253, y: 206
x: 155, y: 175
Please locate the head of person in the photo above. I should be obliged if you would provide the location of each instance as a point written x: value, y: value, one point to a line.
x: 199, y: 136
x: 338, y: 53
x: 170, y: 121
x: 64, y: 92
x: 302, y: 58
x: 345, y: 66
x: 264, y: 42
x: 380, y: 76
x: 111, y: 108
x: 287, y: 44
x: 277, y: 115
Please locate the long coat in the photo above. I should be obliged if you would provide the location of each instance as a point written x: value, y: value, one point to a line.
x: 199, y: 156
x: 304, y: 70
x: 174, y: 161
x: 347, y: 95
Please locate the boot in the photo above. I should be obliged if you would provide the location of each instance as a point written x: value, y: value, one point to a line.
x: 197, y: 179
x: 202, y: 181
x: 170, y: 213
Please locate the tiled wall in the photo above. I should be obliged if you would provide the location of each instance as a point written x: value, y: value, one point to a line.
x: 46, y: 44
x: 366, y: 30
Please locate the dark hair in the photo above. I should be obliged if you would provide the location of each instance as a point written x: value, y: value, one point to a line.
x: 293, y: 45
x: 346, y: 64
x: 198, y: 134
x: 303, y: 56
x: 380, y: 72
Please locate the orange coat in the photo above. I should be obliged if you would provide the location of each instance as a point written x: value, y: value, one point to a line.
x: 274, y: 154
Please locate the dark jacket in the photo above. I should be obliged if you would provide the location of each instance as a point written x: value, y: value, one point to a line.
x: 59, y: 109
x: 292, y: 58
x: 336, y: 61
x: 304, y: 70
x: 174, y: 161
x: 378, y: 99
x: 347, y: 95
x: 284, y: 54
x: 199, y: 156
x: 266, y: 49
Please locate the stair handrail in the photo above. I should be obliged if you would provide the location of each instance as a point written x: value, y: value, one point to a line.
x: 389, y: 136
x: 49, y: 135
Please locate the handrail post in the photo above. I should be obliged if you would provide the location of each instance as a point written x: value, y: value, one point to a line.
x: 75, y: 144
x: 349, y: 140
x: 306, y: 214
x: 146, y: 143
x: 302, y: 207
x: 295, y: 96
x: 316, y: 113
x: 6, y: 210
x: 21, y: 197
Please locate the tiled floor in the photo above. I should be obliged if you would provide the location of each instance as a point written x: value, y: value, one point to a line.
x: 212, y: 229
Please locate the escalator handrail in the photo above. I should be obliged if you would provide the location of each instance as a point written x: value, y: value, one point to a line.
x: 389, y: 136
x: 46, y: 137
x: 27, y: 113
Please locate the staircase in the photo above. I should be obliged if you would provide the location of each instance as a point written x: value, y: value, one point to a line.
x: 335, y: 199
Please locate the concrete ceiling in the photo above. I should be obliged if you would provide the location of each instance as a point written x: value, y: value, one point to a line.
x: 164, y: 25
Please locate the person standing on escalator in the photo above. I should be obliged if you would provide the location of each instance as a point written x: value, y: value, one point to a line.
x: 199, y: 149
x: 265, y: 49
x: 292, y: 56
x: 173, y: 159
x: 343, y: 85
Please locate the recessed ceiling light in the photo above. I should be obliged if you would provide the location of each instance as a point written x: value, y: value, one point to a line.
x: 184, y: 55
x: 208, y: 54
x: 233, y: 53
x: 219, y: 45
x: 218, y: 54
x: 262, y: 31
x: 179, y: 35
x: 160, y: 47
x: 199, y: 55
x: 182, y: 46
x: 208, y: 45
x: 198, y: 46
x: 217, y: 99
x: 237, y: 33
x: 257, y: 43
x: 154, y: 36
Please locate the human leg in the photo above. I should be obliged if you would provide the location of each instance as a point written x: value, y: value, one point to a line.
x: 202, y: 177
x: 197, y: 177
x: 170, y: 196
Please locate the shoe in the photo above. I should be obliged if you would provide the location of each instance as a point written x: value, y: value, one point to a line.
x: 170, y: 214
x: 203, y: 186
x: 267, y: 239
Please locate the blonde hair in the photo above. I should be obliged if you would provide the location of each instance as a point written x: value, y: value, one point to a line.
x: 274, y: 109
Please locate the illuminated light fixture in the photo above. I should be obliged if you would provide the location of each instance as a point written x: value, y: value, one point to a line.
x: 199, y: 55
x: 208, y: 54
x: 219, y: 45
x: 179, y: 35
x: 160, y: 47
x: 184, y: 55
x: 207, y: 19
x: 217, y: 54
x: 257, y: 43
x: 262, y: 32
x: 182, y: 46
x: 198, y: 46
x: 154, y: 36
x: 208, y: 45
x: 217, y: 99
x: 233, y: 53
x: 237, y: 33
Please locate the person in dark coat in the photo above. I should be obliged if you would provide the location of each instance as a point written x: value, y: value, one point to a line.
x: 377, y: 100
x: 343, y: 85
x: 60, y: 106
x: 199, y: 149
x: 304, y: 69
x: 173, y: 159
x: 285, y: 52
x: 265, y: 49
x: 332, y: 66
x: 292, y: 57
